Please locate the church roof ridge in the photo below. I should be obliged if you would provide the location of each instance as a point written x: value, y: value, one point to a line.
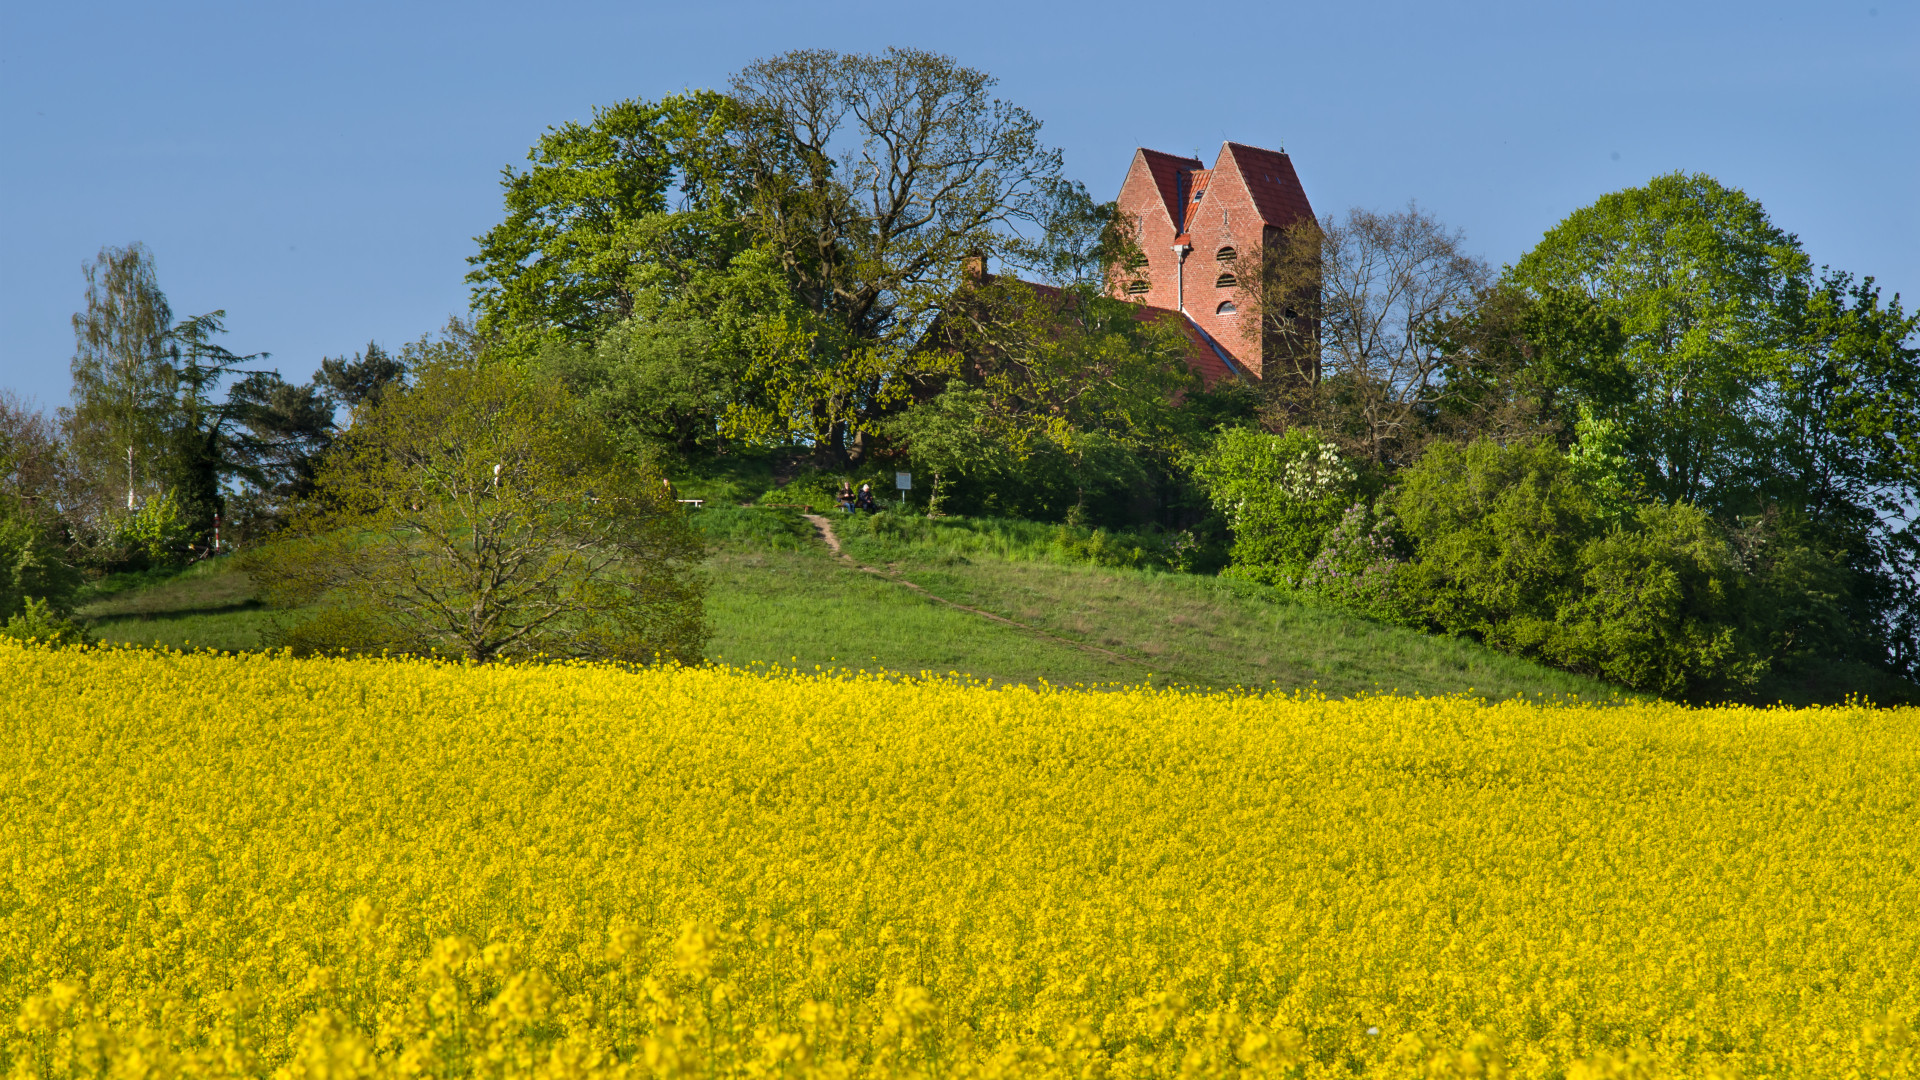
x: 1270, y: 180
x: 1165, y: 169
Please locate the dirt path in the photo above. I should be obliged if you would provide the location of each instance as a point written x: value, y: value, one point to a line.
x: 825, y: 527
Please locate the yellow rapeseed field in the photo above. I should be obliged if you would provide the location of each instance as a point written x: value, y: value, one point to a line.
x: 258, y: 866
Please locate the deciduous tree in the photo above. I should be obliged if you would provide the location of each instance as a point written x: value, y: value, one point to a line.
x: 1845, y: 460
x: 123, y: 381
x: 1519, y: 366
x: 1065, y: 370
x: 480, y: 513
x: 1702, y: 284
x: 33, y: 463
x: 593, y: 212
x: 872, y: 179
x: 1355, y: 310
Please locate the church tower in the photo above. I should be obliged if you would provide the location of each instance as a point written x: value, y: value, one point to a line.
x: 1200, y: 229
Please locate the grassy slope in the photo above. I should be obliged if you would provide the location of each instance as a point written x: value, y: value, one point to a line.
x: 209, y: 604
x: 778, y: 597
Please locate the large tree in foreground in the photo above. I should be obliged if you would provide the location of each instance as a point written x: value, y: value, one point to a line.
x: 604, y: 209
x: 787, y: 243
x: 479, y: 513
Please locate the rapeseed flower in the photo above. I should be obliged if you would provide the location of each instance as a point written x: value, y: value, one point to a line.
x: 229, y: 866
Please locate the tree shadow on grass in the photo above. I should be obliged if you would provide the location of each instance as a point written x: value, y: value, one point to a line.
x: 172, y: 614
x: 190, y: 594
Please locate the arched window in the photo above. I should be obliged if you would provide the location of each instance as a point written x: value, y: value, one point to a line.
x: 1226, y: 308
x: 1226, y: 255
x: 1137, y: 286
x: 1226, y: 281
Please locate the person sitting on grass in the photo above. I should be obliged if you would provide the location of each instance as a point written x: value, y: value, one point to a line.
x: 864, y: 500
x: 846, y: 498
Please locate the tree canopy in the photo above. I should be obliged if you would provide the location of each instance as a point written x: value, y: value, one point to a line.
x: 1702, y: 285
x: 593, y: 221
x: 804, y: 229
x: 1661, y: 446
x: 480, y: 513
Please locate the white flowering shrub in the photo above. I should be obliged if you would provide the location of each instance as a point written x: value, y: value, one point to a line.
x: 1317, y: 473
x: 1280, y: 494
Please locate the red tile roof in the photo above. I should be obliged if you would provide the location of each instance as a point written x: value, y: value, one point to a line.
x: 1197, y: 181
x: 1207, y: 358
x: 1166, y: 170
x: 1204, y: 355
x: 1277, y: 195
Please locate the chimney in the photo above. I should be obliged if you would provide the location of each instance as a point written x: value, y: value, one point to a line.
x: 975, y: 268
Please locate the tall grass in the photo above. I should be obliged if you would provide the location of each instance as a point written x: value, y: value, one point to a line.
x: 754, y: 529
x: 895, y: 535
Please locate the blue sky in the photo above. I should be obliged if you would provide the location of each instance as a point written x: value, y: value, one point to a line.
x: 319, y: 171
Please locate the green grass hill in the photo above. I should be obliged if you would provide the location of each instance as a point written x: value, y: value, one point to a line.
x: 993, y: 600
x: 1001, y: 600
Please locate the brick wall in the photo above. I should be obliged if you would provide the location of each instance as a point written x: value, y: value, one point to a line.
x: 1240, y: 198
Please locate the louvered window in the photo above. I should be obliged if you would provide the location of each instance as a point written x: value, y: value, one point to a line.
x: 1226, y: 281
x: 1137, y: 286
x: 1226, y: 255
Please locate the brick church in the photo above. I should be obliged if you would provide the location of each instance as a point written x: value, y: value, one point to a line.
x: 1199, y: 229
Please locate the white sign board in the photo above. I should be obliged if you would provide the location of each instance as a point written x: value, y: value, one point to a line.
x: 903, y: 481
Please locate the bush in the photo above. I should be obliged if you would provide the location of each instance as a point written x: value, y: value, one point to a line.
x: 1281, y: 495
x: 38, y: 621
x: 1814, y: 593
x: 1658, y: 608
x: 159, y: 532
x: 31, y: 565
x: 1359, y: 565
x: 1100, y: 482
x: 480, y: 513
x: 1496, y: 533
x: 1510, y: 546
